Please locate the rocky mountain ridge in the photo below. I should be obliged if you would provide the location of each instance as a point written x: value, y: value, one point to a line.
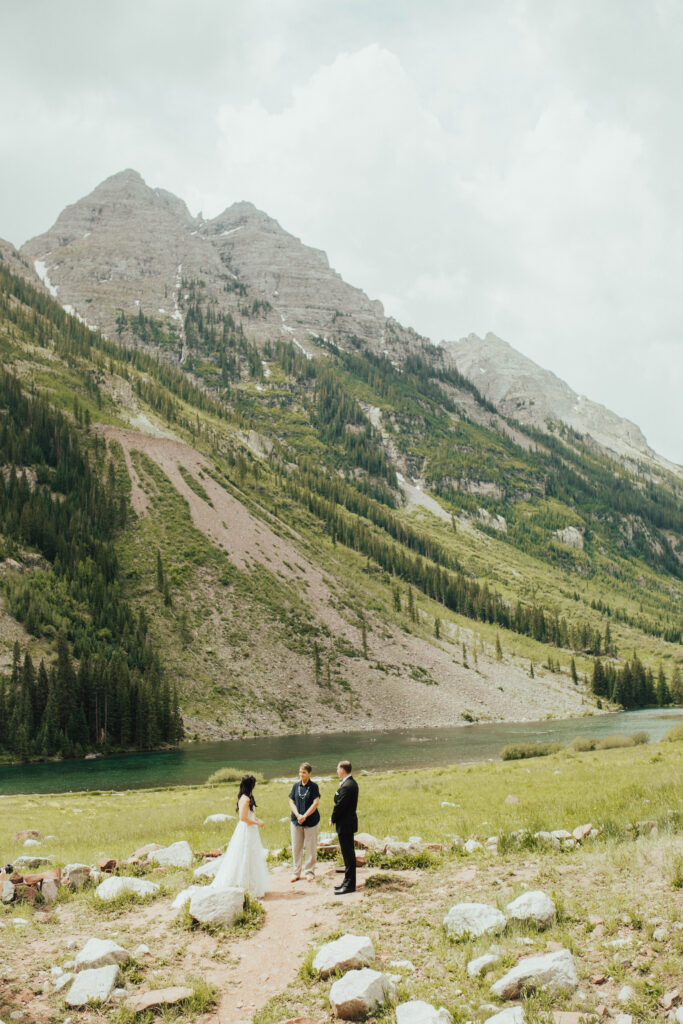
x: 525, y: 391
x: 127, y: 249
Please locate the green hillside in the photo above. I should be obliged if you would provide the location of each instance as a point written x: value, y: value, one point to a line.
x: 228, y: 533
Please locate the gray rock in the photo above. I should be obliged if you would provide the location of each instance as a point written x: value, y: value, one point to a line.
x: 532, y: 906
x: 25, y: 863
x: 511, y: 1015
x: 63, y: 981
x: 93, y: 986
x: 660, y: 934
x: 419, y: 1012
x: 7, y: 894
x: 113, y: 887
x: 210, y: 869
x: 552, y: 972
x: 32, y: 842
x: 478, y: 966
x: 177, y: 855
x: 141, y: 950
x: 49, y: 890
x: 185, y: 895
x: 217, y: 906
x: 472, y: 919
x: 472, y: 845
x: 358, y: 993
x: 216, y: 819
x: 76, y: 875
x: 99, y: 953
x: 625, y: 994
x: 363, y: 840
x: 350, y: 952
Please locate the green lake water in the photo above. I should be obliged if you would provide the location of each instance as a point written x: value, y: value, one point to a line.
x: 277, y: 756
x: 281, y: 756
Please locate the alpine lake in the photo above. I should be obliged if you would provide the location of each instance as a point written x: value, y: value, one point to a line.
x: 280, y: 756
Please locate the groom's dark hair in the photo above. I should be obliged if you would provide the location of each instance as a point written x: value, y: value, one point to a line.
x: 346, y: 765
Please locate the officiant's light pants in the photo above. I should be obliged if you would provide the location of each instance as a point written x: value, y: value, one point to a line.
x: 304, y: 848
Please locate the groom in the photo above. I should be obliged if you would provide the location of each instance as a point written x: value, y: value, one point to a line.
x: 345, y: 819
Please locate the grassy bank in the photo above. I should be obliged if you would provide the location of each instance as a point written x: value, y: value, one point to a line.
x: 610, y: 787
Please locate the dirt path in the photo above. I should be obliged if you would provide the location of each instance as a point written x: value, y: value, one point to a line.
x: 267, y: 961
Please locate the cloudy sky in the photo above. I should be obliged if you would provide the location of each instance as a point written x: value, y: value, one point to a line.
x: 513, y: 166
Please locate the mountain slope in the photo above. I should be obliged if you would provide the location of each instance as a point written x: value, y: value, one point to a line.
x: 521, y: 389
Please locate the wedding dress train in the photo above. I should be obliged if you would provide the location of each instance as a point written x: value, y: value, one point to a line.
x: 244, y: 862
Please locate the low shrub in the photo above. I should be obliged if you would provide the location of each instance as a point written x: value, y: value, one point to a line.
x: 519, y: 751
x: 230, y: 775
x: 674, y: 735
x: 615, y: 742
x: 582, y: 743
x: 401, y: 862
x: 640, y: 738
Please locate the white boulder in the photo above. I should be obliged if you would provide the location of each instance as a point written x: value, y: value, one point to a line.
x: 350, y: 952
x: 472, y: 919
x: 32, y: 842
x: 355, y: 995
x: 532, y: 906
x: 112, y: 887
x: 75, y: 875
x: 471, y: 845
x: 177, y: 855
x: 216, y: 819
x: 185, y: 895
x: 99, y: 953
x: 511, y: 1015
x: 7, y: 892
x: 217, y: 906
x: 478, y: 966
x: 93, y: 986
x: 364, y: 840
x: 419, y: 1012
x: 210, y: 869
x: 62, y: 981
x: 552, y: 972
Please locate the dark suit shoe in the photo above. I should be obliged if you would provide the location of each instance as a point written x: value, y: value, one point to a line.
x: 343, y: 890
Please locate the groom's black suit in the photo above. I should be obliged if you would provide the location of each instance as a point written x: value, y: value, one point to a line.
x: 345, y: 820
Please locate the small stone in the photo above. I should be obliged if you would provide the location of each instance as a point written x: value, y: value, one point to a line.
x: 100, y: 952
x: 50, y: 890
x: 350, y: 952
x: 511, y: 799
x: 32, y: 842
x: 27, y: 833
x: 7, y: 891
x: 113, y: 887
x: 511, y: 1015
x: 552, y: 972
x: 670, y: 999
x: 532, y: 906
x: 419, y: 1012
x: 355, y: 995
x: 177, y: 855
x: 625, y: 994
x: 216, y: 819
x: 660, y: 934
x: 472, y: 919
x: 93, y: 985
x: 107, y: 864
x: 141, y: 950
x: 76, y: 875
x: 478, y: 966
x: 63, y: 981
x: 142, y: 1001
x: 598, y: 979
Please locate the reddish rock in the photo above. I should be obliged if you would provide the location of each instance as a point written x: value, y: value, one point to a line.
x: 435, y: 846
x: 26, y: 892
x: 572, y: 1017
x: 107, y: 864
x: 598, y: 979
x: 602, y: 1010
x: 360, y: 860
x: 581, y: 832
x: 37, y: 879
x: 28, y: 833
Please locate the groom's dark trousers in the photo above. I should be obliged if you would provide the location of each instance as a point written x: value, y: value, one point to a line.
x: 345, y: 820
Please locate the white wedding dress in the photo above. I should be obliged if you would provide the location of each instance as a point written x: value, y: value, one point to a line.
x: 244, y: 862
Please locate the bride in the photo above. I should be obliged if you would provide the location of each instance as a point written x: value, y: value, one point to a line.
x: 244, y: 861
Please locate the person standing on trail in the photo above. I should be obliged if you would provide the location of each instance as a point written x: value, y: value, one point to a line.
x: 305, y: 824
x: 345, y: 820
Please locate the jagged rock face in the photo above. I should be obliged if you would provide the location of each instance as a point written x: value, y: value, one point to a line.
x: 15, y: 263
x: 528, y: 393
x: 125, y: 246
x: 129, y: 247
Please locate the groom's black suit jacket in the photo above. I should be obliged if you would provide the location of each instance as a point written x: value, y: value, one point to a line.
x: 344, y: 816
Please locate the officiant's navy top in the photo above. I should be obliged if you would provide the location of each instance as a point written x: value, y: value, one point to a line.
x: 303, y: 797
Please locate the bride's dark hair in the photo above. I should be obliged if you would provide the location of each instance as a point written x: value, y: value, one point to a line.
x: 247, y: 789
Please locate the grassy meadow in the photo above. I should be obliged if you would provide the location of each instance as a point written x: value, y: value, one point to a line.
x: 619, y: 898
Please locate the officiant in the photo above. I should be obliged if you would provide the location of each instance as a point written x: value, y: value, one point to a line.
x: 304, y: 824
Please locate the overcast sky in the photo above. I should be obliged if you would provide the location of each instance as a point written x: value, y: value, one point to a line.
x: 512, y: 166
